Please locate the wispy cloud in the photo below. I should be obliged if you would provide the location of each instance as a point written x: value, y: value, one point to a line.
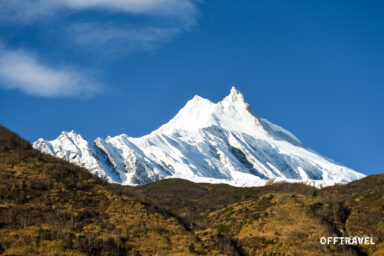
x: 21, y: 70
x: 26, y: 10
x: 111, y: 38
x: 122, y: 26
x: 184, y: 9
x: 176, y: 17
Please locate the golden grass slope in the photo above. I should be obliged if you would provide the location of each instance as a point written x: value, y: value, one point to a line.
x: 51, y: 207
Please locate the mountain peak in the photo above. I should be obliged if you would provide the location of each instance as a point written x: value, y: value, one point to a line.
x: 232, y: 113
x: 197, y: 101
x: 234, y: 91
x: 223, y: 142
x: 235, y: 97
x: 192, y: 116
x: 72, y: 135
x: 72, y: 132
x: 68, y: 134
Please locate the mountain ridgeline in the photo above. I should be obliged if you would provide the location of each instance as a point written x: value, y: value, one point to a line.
x: 224, y: 142
x: 49, y: 206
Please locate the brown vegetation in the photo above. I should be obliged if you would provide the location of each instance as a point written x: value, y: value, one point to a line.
x: 50, y: 207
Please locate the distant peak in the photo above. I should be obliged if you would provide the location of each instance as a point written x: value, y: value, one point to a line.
x: 234, y: 90
x: 64, y: 133
x: 235, y: 97
x: 67, y: 133
x: 72, y: 134
x: 197, y: 98
x: 197, y: 101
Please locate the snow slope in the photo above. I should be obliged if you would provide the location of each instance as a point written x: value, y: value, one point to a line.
x: 224, y: 142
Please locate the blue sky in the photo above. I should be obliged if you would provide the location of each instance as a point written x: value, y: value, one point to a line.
x: 127, y: 66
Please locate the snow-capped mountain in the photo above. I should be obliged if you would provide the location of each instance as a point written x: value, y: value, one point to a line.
x: 224, y: 142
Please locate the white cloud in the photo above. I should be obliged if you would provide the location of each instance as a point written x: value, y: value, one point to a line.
x: 21, y: 70
x: 104, y: 33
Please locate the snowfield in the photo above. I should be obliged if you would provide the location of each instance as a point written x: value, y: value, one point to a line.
x: 224, y: 142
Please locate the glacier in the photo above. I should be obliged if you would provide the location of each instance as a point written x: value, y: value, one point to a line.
x: 224, y: 142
